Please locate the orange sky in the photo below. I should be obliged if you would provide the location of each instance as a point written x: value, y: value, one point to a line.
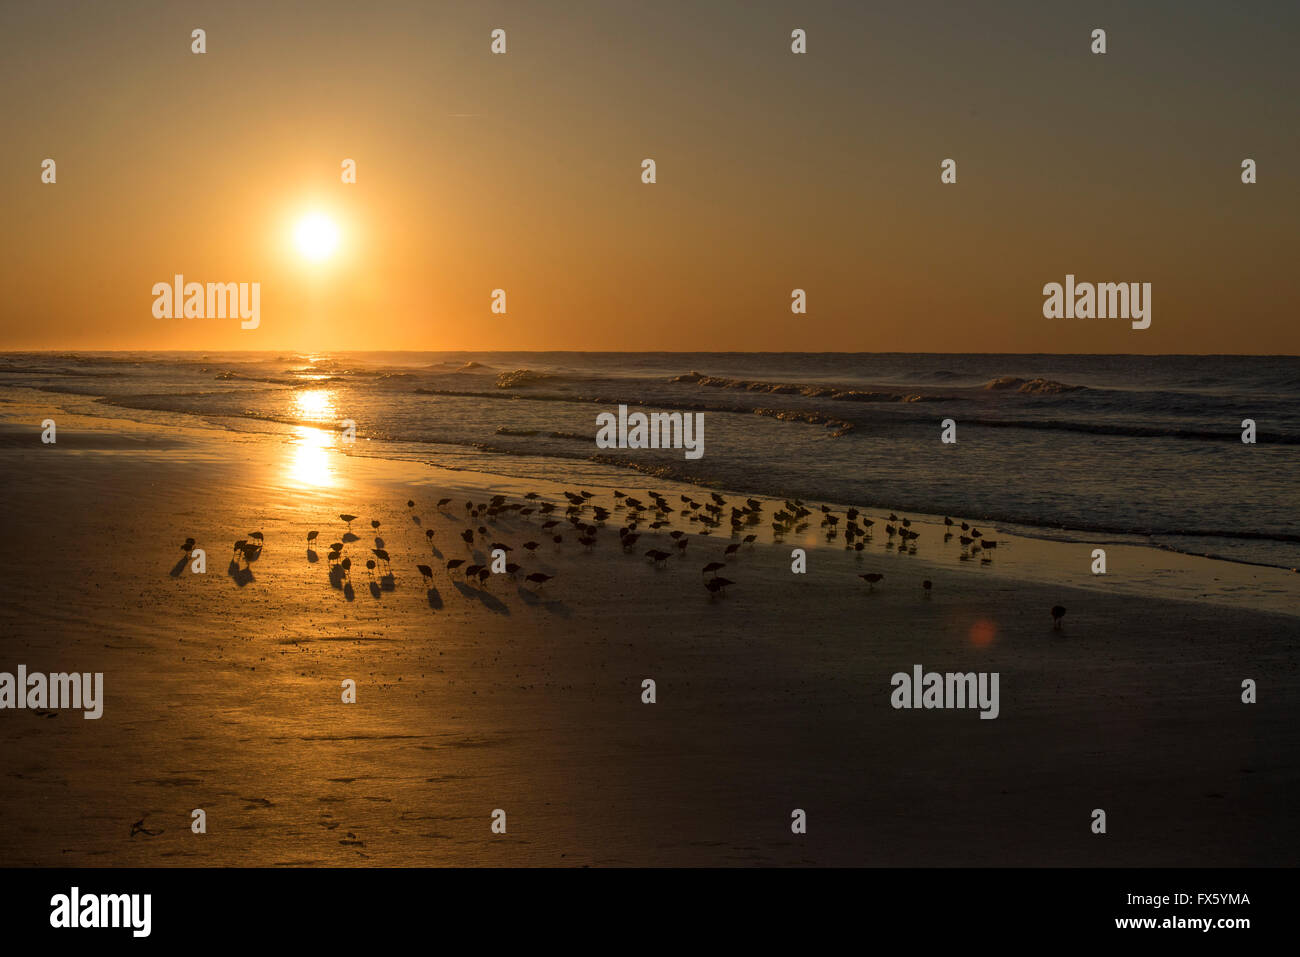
x: 775, y: 171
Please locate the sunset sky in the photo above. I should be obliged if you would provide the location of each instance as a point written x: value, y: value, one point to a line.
x: 775, y: 171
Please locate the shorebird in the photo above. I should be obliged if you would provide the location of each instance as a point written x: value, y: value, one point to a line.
x: 718, y: 586
x: 311, y: 536
x: 428, y: 533
x: 443, y: 502
x: 425, y: 572
x: 483, y: 575
x: 188, y: 545
x: 258, y: 536
x: 749, y: 539
x: 532, y: 546
x: 713, y: 567
x: 349, y: 519
x: 871, y: 578
x: 454, y: 563
x: 731, y: 550
x: 927, y: 585
x: 410, y: 503
x: 947, y: 521
x: 657, y: 556
x: 539, y: 579
x: 467, y: 536
x: 1058, y: 612
x: 374, y: 523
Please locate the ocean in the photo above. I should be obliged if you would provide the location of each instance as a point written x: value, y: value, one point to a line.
x: 1131, y: 449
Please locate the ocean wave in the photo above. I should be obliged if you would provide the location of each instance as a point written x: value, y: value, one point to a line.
x: 1133, y: 431
x: 808, y: 416
x: 1037, y: 386
x: 803, y: 389
x: 523, y: 377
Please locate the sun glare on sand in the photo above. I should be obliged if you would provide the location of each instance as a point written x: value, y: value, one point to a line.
x: 316, y: 236
x: 309, y: 457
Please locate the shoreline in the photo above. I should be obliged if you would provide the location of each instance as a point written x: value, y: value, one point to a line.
x: 1153, y: 569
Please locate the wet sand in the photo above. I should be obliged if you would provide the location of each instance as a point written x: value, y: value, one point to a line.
x: 223, y: 692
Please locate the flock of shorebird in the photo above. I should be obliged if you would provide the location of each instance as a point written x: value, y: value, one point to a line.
x: 586, y: 523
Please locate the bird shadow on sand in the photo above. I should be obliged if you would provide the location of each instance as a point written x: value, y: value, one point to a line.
x: 240, y: 576
x: 179, y: 567
x: 374, y: 590
x: 531, y: 597
x: 435, y: 599
x: 388, y: 582
x: 416, y: 519
x: 490, y: 601
x: 349, y: 538
x: 312, y: 556
x: 436, y: 553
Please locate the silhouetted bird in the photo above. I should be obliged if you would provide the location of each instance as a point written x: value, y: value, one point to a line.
x: 425, y: 572
x: 443, y: 502
x: 311, y: 536
x: 467, y: 536
x: 871, y: 578
x: 531, y: 546
x: 731, y: 549
x: 455, y: 563
x: 1058, y: 612
x: 713, y: 567
x: 539, y: 579
x: 349, y: 519
x: 927, y: 585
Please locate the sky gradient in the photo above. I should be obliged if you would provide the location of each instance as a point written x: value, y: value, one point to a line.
x: 775, y: 171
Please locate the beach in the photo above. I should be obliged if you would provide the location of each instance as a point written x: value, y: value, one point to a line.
x: 223, y: 690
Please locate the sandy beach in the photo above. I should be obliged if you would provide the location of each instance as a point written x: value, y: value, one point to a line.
x: 223, y: 689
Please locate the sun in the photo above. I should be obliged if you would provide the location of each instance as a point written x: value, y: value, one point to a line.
x: 316, y: 236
